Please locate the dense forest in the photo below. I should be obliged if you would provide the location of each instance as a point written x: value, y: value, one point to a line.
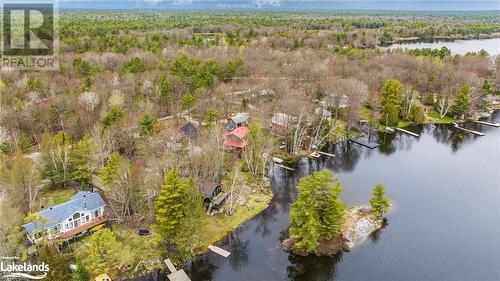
x: 128, y: 81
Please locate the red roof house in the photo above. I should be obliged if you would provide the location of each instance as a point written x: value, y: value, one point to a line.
x: 236, y: 139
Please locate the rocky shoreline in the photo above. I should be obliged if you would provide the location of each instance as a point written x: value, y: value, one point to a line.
x: 359, y: 223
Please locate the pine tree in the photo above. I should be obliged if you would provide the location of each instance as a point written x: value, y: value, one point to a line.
x: 81, y: 273
x: 169, y: 204
x: 108, y: 172
x: 318, y: 212
x: 462, y: 102
x: 80, y: 162
x: 380, y: 204
x: 391, y: 102
x: 103, y: 251
x: 59, y: 267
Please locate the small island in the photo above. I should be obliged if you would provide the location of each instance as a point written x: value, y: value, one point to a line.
x: 320, y: 223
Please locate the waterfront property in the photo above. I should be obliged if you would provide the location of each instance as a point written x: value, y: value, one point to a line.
x: 235, y: 140
x: 238, y: 120
x: 211, y: 192
x: 85, y: 210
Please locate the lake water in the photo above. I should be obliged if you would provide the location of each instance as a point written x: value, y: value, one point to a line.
x: 444, y: 225
x: 461, y: 47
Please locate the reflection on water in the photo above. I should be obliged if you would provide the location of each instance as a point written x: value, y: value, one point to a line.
x: 445, y: 186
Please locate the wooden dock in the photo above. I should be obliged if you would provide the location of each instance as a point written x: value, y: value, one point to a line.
x: 179, y: 275
x: 369, y: 144
x: 219, y: 251
x: 176, y: 275
x: 469, y: 131
x: 408, y: 132
x: 277, y: 160
x: 488, y: 123
x: 326, y: 154
x: 285, y: 167
x: 170, y: 265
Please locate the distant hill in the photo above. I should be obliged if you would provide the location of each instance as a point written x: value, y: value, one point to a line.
x: 294, y: 5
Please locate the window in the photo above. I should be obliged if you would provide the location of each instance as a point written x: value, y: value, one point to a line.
x: 96, y: 213
x: 87, y: 218
x: 75, y: 216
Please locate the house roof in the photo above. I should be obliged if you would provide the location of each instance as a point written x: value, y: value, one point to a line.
x: 189, y: 130
x: 283, y: 119
x: 207, y: 187
x: 241, y: 117
x: 239, y: 132
x: 82, y: 201
x: 235, y: 143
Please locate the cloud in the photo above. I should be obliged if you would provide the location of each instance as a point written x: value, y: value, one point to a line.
x: 182, y: 2
x: 261, y: 3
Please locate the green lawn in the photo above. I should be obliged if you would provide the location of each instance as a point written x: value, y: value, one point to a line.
x: 220, y: 225
x: 366, y: 114
x: 51, y: 197
x: 437, y: 119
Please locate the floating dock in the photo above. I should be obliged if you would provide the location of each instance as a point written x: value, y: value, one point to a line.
x: 488, y: 123
x: 469, y: 131
x: 326, y: 154
x: 369, y: 144
x: 219, y: 251
x: 408, y: 132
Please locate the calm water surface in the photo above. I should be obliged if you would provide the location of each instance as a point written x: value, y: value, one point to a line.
x: 461, y: 47
x: 445, y: 223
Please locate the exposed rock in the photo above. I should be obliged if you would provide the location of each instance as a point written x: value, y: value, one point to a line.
x: 360, y: 223
x: 287, y: 244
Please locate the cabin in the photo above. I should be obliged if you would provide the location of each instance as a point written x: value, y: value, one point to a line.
x: 188, y: 131
x: 281, y: 122
x: 235, y: 140
x: 237, y: 120
x: 211, y: 192
x: 84, y: 211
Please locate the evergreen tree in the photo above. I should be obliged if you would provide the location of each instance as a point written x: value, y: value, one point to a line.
x: 187, y: 101
x: 169, y: 204
x: 80, y: 162
x: 103, y: 252
x: 380, y: 204
x: 59, y: 267
x: 462, y: 103
x: 391, y: 102
x: 164, y: 87
x: 318, y: 212
x: 114, y: 115
x: 180, y: 214
x: 146, y: 124
x: 81, y: 273
x: 108, y: 172
x: 210, y: 117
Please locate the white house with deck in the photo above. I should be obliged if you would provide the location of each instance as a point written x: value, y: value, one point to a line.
x: 76, y: 216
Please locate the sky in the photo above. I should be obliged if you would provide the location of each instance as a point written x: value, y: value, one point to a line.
x: 316, y: 5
